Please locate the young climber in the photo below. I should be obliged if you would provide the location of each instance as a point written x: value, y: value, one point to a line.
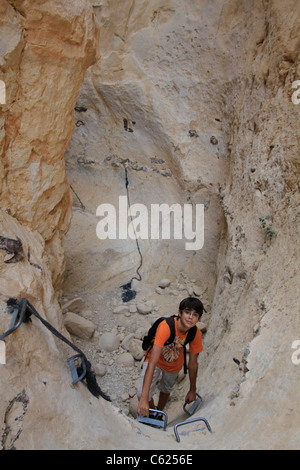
x: 167, y: 360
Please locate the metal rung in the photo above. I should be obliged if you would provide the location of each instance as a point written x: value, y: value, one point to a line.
x: 16, y: 320
x: 194, y: 406
x: 188, y: 422
x: 152, y: 421
x: 73, y: 367
x: 13, y: 321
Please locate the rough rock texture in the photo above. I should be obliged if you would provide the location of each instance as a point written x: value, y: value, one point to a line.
x: 78, y: 326
x: 255, y: 312
x: 48, y: 47
x: 194, y: 100
x: 205, y: 89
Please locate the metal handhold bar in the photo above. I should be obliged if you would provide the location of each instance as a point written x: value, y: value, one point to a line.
x: 155, y: 422
x: 74, y: 369
x: 190, y: 421
x: 15, y: 322
x: 192, y: 409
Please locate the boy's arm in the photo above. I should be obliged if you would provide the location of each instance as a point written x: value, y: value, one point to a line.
x: 143, y: 406
x: 193, y: 370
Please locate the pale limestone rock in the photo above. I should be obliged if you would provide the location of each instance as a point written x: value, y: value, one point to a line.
x: 125, y: 397
x: 202, y: 327
x: 132, y: 392
x: 136, y: 350
x: 173, y: 292
x: 38, y: 122
x: 132, y: 308
x: 100, y: 369
x: 164, y: 283
x: 78, y: 326
x: 133, y: 404
x: 125, y: 360
x: 190, y: 290
x: 141, y: 332
x: 121, y: 309
x: 160, y: 291
x: 197, y: 291
x: 145, y: 307
x: 181, y: 287
x: 126, y: 341
x: 73, y: 305
x: 109, y: 342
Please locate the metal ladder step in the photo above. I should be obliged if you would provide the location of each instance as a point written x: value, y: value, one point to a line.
x: 188, y: 422
x: 74, y: 368
x: 158, y: 423
x: 16, y: 320
x: 194, y: 406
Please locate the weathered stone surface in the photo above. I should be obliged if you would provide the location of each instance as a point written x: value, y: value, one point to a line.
x: 109, y: 341
x: 217, y: 128
x: 74, y: 305
x: 38, y: 119
x: 145, y: 307
x: 141, y: 332
x: 136, y: 350
x: 121, y: 309
x: 79, y: 326
x: 202, y: 327
x: 100, y: 369
x: 164, y: 283
x: 176, y: 75
x: 125, y: 360
x: 126, y: 341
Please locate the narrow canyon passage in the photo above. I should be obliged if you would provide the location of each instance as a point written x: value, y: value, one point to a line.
x: 150, y: 152
x: 170, y: 141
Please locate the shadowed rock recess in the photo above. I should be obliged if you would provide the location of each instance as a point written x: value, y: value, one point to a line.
x: 136, y: 104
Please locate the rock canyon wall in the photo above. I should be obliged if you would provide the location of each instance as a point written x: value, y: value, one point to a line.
x: 186, y: 103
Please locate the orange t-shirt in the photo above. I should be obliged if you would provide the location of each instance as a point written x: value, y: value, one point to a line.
x: 172, y: 355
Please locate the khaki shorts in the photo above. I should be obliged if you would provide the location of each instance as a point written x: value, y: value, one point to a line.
x: 165, y: 385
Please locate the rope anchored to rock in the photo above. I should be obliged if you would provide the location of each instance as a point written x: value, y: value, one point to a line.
x: 25, y: 310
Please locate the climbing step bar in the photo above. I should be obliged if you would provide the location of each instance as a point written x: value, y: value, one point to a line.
x: 188, y: 422
x: 16, y: 320
x: 22, y: 311
x: 194, y: 406
x: 74, y: 369
x: 154, y: 422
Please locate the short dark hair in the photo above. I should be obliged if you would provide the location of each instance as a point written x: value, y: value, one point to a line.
x: 192, y: 303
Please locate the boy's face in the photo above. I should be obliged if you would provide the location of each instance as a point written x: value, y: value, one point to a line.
x: 188, y: 317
